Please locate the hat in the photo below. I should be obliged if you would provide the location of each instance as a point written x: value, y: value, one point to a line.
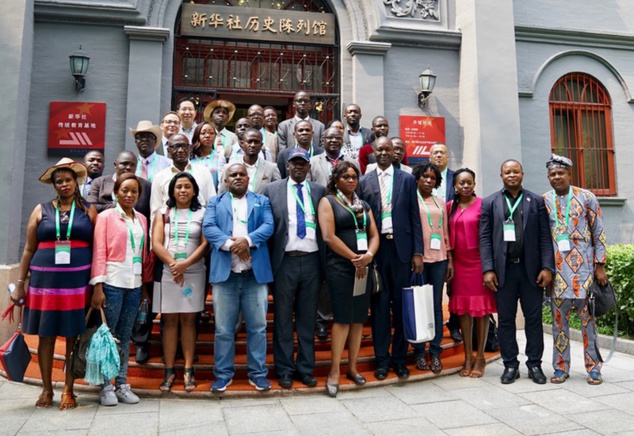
x: 77, y: 167
x: 147, y: 126
x: 298, y: 152
x: 558, y: 161
x: 209, y: 109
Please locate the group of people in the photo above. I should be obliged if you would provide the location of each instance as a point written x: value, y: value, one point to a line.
x: 291, y: 210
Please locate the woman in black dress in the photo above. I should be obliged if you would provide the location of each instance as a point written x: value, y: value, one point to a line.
x: 349, y: 231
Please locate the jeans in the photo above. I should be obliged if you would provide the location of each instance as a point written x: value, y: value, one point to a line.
x: 241, y: 292
x: 122, y: 305
x: 434, y: 274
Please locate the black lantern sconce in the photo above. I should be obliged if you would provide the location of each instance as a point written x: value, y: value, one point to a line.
x: 427, y: 81
x: 78, y: 68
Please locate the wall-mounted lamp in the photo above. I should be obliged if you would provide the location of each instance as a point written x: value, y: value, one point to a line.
x: 427, y: 81
x: 78, y: 67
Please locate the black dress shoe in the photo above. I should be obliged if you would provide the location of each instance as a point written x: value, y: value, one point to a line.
x: 141, y: 354
x: 308, y: 380
x: 401, y: 371
x: 381, y: 373
x: 286, y: 381
x: 332, y: 389
x: 358, y: 379
x: 537, y: 375
x: 510, y: 375
x: 456, y: 335
x: 321, y: 333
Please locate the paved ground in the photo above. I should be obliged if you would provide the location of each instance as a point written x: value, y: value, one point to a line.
x: 449, y: 405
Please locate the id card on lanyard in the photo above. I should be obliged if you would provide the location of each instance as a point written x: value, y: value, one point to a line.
x: 311, y: 225
x: 181, y: 245
x: 435, y: 240
x: 563, y: 239
x: 361, y: 234
x: 62, y: 248
x: 509, y: 224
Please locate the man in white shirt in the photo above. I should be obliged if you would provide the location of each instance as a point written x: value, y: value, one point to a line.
x: 170, y: 124
x: 94, y: 162
x: 186, y: 110
x: 219, y: 113
x: 146, y: 138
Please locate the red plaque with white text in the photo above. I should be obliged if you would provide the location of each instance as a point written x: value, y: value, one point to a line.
x: 419, y: 134
x: 75, y: 128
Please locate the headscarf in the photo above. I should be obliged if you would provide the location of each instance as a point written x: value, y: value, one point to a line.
x: 557, y: 161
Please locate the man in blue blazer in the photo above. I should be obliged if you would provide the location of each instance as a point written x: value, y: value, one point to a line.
x: 237, y: 225
x: 391, y: 194
x: 517, y: 263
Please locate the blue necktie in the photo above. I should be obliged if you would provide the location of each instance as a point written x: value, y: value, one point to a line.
x: 301, y: 220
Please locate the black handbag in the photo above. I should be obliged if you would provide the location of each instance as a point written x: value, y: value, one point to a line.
x: 492, y: 343
x: 601, y: 299
x: 14, y: 354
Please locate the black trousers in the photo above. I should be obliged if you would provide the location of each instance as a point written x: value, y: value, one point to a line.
x: 324, y: 309
x: 296, y: 289
x: 517, y: 285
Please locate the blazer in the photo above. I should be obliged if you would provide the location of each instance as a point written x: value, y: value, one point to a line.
x: 283, y: 156
x: 286, y: 129
x: 267, y: 173
x: 270, y: 142
x: 218, y: 227
x: 101, y: 195
x: 320, y: 169
x: 366, y: 136
x: 408, y: 234
x: 449, y: 189
x: 277, y: 193
x: 538, y: 249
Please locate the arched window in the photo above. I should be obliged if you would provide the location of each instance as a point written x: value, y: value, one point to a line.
x: 581, y: 129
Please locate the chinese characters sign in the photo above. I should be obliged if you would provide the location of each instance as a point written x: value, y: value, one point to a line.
x: 75, y: 128
x: 419, y: 134
x: 253, y: 23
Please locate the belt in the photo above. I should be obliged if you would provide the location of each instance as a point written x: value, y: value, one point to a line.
x: 387, y: 235
x: 296, y: 253
x: 514, y: 260
x: 245, y: 271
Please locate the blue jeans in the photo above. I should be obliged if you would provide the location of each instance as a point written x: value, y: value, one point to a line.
x: 122, y: 305
x: 241, y: 292
x: 434, y: 274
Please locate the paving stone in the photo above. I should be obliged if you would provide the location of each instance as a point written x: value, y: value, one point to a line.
x: 606, y: 422
x: 579, y: 385
x: 488, y: 396
x: 56, y: 432
x: 183, y: 415
x: 215, y: 428
x: 421, y: 393
x: 534, y: 419
x: 623, y: 402
x: 146, y: 405
x: 139, y: 424
x: 482, y: 430
x: 312, y: 405
x: 385, y: 409
x: 331, y: 424
x: 404, y: 427
x: 364, y: 393
x: 52, y: 420
x: 563, y: 401
x: 452, y: 414
x: 252, y: 419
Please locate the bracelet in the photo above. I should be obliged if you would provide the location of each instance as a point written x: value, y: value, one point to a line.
x: 20, y: 281
x: 370, y: 253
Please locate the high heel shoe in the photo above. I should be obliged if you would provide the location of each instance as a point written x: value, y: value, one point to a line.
x: 332, y: 389
x: 190, y: 384
x: 168, y: 381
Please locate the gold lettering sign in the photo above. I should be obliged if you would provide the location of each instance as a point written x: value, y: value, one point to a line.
x: 261, y: 24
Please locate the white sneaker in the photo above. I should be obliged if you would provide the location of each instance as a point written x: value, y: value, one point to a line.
x: 125, y: 395
x: 107, y: 396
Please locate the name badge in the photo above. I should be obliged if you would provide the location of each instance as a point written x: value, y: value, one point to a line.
x: 180, y: 256
x: 563, y: 243
x: 435, y: 241
x: 362, y: 241
x: 62, y: 253
x: 386, y: 220
x: 311, y: 230
x: 137, y: 268
x: 187, y: 292
x: 509, y: 231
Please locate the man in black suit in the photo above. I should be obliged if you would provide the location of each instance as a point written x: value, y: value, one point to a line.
x: 391, y: 194
x: 304, y: 135
x: 285, y: 137
x: 296, y: 265
x: 517, y: 263
x: 355, y: 136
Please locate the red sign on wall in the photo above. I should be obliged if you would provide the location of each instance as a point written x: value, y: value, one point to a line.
x: 75, y: 128
x: 419, y: 134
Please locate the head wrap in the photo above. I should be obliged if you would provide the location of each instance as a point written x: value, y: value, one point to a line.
x: 557, y: 161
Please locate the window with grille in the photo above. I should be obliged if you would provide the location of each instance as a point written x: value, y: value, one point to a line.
x: 581, y: 129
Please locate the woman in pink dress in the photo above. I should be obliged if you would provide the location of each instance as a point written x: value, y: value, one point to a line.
x: 470, y: 299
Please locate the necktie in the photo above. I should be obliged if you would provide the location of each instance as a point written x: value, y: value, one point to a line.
x: 144, y: 174
x: 301, y: 220
x: 87, y: 189
x: 385, y: 206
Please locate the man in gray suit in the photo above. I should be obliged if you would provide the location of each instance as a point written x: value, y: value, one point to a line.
x: 261, y: 172
x: 304, y: 138
x: 285, y: 130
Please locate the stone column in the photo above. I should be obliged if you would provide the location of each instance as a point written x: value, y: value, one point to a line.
x: 144, y: 77
x: 367, y: 76
x: 489, y: 102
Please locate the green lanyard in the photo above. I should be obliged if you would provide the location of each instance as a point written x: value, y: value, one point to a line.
x: 422, y: 200
x: 301, y: 204
x: 189, y: 221
x: 235, y: 209
x: 150, y: 173
x: 512, y: 209
x: 132, y: 243
x: 70, y: 221
x: 567, y: 209
x: 356, y: 223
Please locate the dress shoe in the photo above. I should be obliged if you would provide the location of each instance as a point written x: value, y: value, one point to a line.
x: 537, y: 375
x: 141, y: 354
x: 510, y: 375
x: 401, y: 371
x: 381, y: 373
x: 286, y: 381
x: 456, y: 335
x: 321, y: 333
x: 332, y: 389
x: 308, y: 380
x: 358, y: 379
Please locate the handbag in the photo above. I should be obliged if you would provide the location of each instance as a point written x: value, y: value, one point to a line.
x: 78, y: 354
x: 418, y: 311
x: 492, y: 342
x: 14, y: 354
x: 374, y: 279
x: 601, y: 299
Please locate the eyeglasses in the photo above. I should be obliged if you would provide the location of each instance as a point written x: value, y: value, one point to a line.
x: 174, y: 147
x: 347, y: 177
x: 175, y: 122
x: 302, y: 100
x: 144, y: 135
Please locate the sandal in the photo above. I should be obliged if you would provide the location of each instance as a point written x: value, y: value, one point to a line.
x: 436, y: 365
x: 594, y: 377
x: 168, y: 381
x: 478, y: 368
x: 45, y: 400
x: 466, y: 369
x: 559, y: 377
x: 68, y: 401
x: 190, y: 384
x: 421, y: 363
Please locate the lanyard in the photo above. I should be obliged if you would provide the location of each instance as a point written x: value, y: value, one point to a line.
x: 150, y: 173
x: 125, y: 219
x: 70, y: 221
x: 422, y: 200
x: 301, y: 204
x: 517, y: 203
x: 235, y: 209
x: 567, y: 209
x: 389, y: 189
x: 349, y: 209
x: 189, y: 221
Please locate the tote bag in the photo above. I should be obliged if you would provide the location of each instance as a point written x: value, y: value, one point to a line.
x: 418, y: 311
